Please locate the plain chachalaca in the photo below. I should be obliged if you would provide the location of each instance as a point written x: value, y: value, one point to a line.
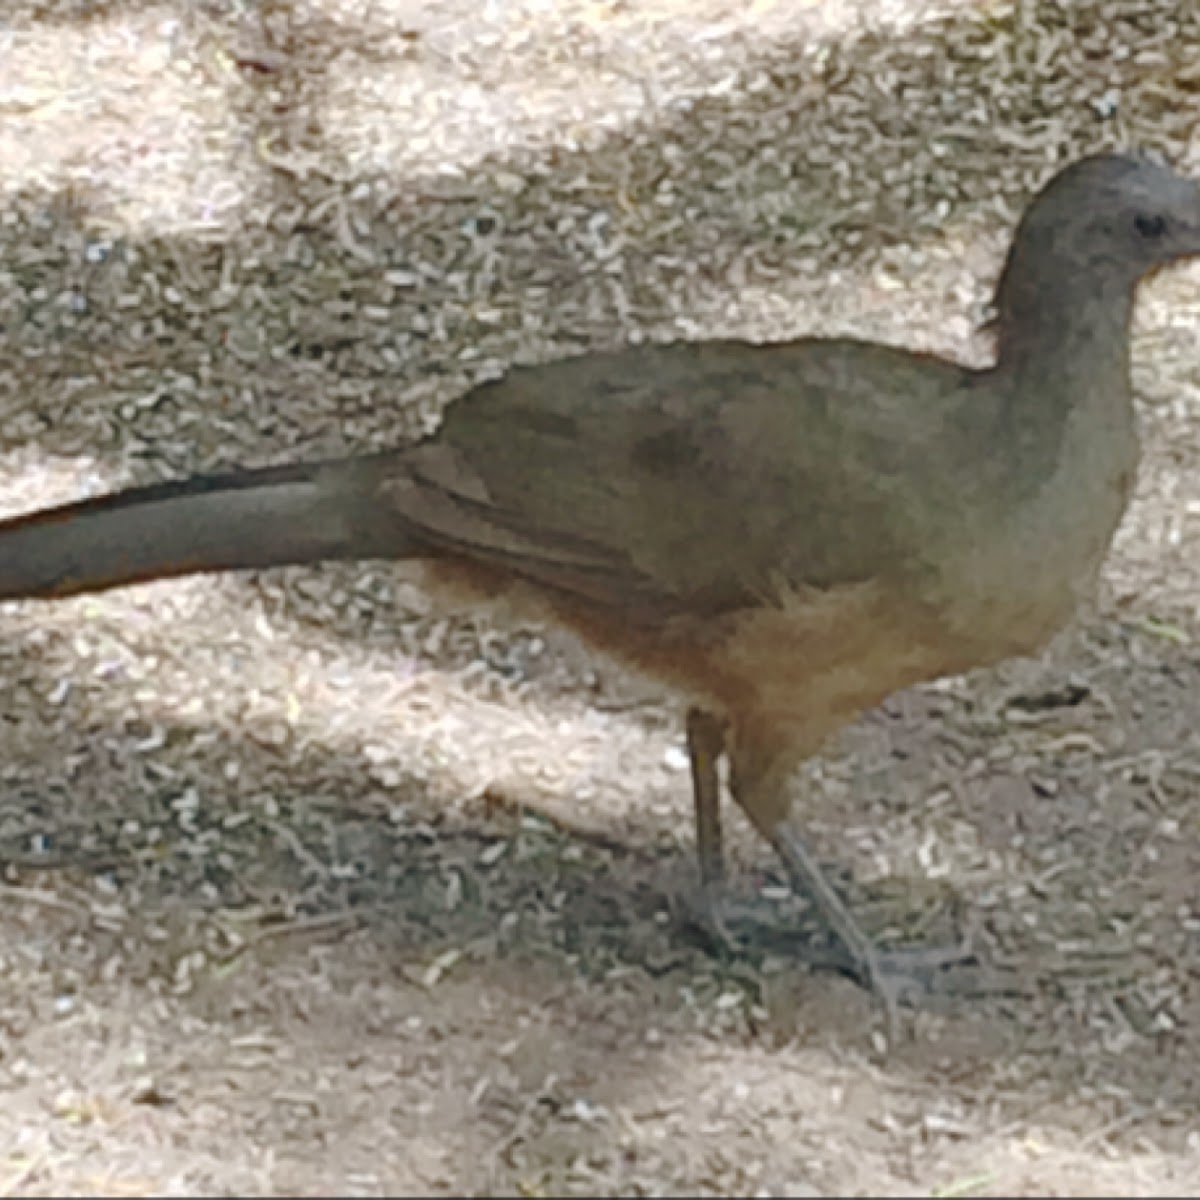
x: 785, y: 533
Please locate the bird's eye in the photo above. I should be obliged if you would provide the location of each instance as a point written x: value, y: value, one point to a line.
x: 1150, y: 227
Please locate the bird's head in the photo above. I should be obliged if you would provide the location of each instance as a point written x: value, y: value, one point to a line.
x: 1093, y: 231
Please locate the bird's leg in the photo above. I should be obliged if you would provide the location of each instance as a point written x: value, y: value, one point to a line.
x: 706, y: 744
x: 759, y: 784
x: 728, y: 924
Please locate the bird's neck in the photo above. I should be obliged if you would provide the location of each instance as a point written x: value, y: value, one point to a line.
x: 1057, y: 463
x: 1063, y: 346
x: 1065, y: 427
x: 1051, y: 326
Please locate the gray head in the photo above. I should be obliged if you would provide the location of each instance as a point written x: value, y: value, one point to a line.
x: 1098, y: 226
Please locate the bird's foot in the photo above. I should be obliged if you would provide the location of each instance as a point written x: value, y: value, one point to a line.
x: 919, y: 976
x: 907, y: 976
x: 725, y: 928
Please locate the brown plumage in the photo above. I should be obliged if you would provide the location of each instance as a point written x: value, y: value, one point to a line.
x: 784, y: 533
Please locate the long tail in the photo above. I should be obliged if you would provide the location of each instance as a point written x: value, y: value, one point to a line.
x: 262, y: 518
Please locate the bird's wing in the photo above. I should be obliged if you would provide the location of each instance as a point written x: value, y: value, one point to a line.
x: 690, y: 478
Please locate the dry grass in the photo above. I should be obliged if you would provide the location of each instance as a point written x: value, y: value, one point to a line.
x: 271, y: 922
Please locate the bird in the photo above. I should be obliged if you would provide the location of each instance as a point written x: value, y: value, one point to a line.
x: 783, y: 533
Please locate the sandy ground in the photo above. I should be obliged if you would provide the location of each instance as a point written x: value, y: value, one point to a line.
x: 310, y: 886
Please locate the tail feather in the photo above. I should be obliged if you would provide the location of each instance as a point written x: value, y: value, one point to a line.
x: 269, y: 517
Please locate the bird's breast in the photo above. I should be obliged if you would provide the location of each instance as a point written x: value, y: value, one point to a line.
x: 1023, y: 570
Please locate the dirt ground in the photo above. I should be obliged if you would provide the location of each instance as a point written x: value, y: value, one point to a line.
x: 309, y: 886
